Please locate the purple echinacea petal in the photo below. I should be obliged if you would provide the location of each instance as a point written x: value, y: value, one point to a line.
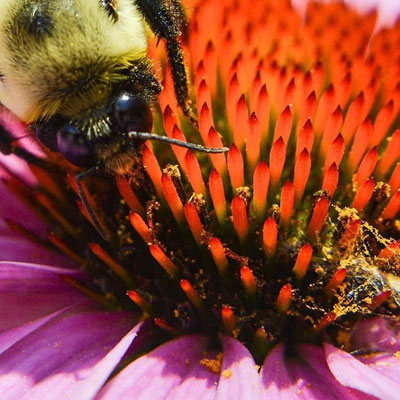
x: 19, y: 131
x: 159, y: 374
x: 54, y: 343
x: 312, y: 366
x: 351, y: 372
x: 10, y: 337
x: 387, y: 364
x: 13, y: 248
x: 376, y: 343
x: 275, y: 376
x: 12, y: 166
x: 376, y: 335
x: 29, y: 292
x: 70, y: 356
x: 239, y: 376
x: 199, y: 384
x: 302, y: 376
x: 15, y: 210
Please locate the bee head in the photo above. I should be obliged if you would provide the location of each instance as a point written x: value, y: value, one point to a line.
x: 127, y: 112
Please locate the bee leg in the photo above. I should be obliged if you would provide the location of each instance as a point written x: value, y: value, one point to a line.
x: 178, y: 14
x: 164, y: 25
x: 78, y: 179
x: 178, y: 71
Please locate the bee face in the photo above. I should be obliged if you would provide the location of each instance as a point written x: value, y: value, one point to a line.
x: 76, y: 71
x: 127, y: 112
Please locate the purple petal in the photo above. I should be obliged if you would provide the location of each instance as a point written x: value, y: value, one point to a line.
x: 239, y: 376
x: 11, y: 336
x: 155, y: 375
x: 275, y: 376
x: 70, y: 356
x: 376, y: 335
x: 17, y: 211
x: 354, y: 374
x: 312, y: 366
x: 304, y: 376
x: 22, y: 250
x: 18, y: 130
x: 13, y: 165
x: 29, y: 292
x: 103, y: 369
x: 386, y: 364
x: 199, y: 384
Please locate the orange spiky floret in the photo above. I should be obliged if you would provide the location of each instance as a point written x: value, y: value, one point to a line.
x: 302, y: 210
x: 331, y: 137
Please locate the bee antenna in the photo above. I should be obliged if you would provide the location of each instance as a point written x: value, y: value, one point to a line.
x: 176, y: 142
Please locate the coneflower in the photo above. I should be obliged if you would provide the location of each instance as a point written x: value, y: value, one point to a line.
x: 270, y: 272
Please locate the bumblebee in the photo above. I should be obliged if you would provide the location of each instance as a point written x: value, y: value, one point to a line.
x: 77, y: 72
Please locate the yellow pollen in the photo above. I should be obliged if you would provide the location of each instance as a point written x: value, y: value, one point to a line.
x: 227, y: 373
x: 214, y: 365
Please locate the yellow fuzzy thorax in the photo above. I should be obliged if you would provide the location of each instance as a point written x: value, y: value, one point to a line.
x: 71, y: 68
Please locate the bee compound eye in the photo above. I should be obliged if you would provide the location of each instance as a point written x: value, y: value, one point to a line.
x: 47, y: 136
x: 72, y: 144
x: 132, y: 113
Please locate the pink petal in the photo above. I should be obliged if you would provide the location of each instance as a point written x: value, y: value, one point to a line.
x: 70, y: 356
x: 155, y: 375
x: 312, y: 366
x: 11, y: 336
x: 20, y: 168
x: 304, y: 376
x: 239, y: 376
x: 354, y: 374
x: 17, y: 211
x: 29, y: 292
x: 275, y: 376
x: 18, y: 130
x: 200, y: 383
x: 385, y: 364
x: 22, y: 250
x: 375, y: 335
x: 105, y: 366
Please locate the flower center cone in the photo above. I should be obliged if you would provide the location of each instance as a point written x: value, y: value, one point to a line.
x: 291, y: 235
